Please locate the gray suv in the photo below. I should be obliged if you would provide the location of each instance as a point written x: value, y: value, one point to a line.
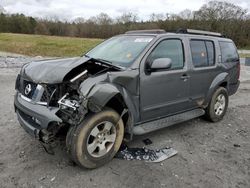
x: 130, y: 84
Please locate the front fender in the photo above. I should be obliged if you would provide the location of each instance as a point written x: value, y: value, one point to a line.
x: 218, y: 80
x: 101, y: 93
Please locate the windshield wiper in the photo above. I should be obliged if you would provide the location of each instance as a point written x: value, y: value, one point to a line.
x: 104, y: 61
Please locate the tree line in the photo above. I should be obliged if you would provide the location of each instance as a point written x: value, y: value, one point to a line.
x: 218, y: 16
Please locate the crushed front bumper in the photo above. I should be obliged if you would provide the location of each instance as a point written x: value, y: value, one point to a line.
x: 34, y: 117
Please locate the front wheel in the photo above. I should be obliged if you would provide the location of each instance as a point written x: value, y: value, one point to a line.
x: 97, y: 139
x: 218, y: 105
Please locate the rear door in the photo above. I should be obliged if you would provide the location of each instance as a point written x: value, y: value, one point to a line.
x: 204, y: 62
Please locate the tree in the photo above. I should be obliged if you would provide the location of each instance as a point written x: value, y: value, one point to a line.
x: 41, y: 29
x: 218, y: 16
x: 156, y: 17
x: 220, y: 10
x: 2, y: 10
x: 127, y: 17
x: 3, y: 23
x: 186, y: 14
x: 103, y: 19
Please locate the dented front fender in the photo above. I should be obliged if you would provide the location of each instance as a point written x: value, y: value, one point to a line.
x: 101, y: 93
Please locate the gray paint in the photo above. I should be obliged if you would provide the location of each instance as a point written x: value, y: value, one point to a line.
x: 147, y: 96
x: 51, y: 71
x: 102, y: 88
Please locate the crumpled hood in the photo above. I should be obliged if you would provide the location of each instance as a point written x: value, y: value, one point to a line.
x: 51, y: 71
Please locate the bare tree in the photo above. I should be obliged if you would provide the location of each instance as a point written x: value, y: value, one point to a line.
x: 157, y: 17
x: 103, y: 19
x: 127, y: 17
x: 220, y: 10
x: 2, y: 10
x: 186, y: 14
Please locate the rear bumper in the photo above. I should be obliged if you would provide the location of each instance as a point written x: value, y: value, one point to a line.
x: 34, y: 117
x: 233, y: 88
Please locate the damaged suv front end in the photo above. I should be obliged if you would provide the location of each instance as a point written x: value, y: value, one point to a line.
x: 57, y: 94
x: 48, y: 94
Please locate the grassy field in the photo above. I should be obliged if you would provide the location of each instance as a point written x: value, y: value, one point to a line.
x: 34, y: 45
x: 244, y: 55
x: 40, y: 45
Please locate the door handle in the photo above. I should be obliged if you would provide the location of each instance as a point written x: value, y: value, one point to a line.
x: 185, y: 77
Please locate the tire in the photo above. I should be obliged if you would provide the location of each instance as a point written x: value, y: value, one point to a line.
x: 217, y: 108
x: 96, y: 140
x: 68, y: 137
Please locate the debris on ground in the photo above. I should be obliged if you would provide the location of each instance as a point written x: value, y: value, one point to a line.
x: 22, y: 154
x: 148, y: 155
x: 53, y: 179
x: 147, y: 141
x: 42, y: 178
x: 237, y: 145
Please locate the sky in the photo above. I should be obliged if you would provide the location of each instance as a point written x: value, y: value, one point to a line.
x: 72, y: 9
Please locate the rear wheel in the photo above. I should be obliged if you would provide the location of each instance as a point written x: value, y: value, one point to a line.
x: 218, y: 105
x: 96, y: 140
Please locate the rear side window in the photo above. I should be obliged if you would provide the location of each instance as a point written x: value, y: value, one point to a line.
x: 203, y: 53
x: 210, y: 52
x: 170, y: 48
x: 228, y: 52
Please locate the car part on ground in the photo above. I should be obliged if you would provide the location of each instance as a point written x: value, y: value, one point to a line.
x: 148, y: 155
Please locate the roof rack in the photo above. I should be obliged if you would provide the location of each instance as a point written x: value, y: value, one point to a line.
x: 150, y: 31
x: 199, y: 32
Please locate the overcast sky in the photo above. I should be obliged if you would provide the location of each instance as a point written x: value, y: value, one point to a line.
x: 71, y: 9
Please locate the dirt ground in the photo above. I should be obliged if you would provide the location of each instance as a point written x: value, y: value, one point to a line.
x: 209, y: 154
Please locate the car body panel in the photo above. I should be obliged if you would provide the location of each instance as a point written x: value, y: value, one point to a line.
x: 146, y: 96
x: 51, y: 71
x: 159, y: 95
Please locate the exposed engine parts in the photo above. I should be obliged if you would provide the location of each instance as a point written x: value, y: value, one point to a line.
x: 67, y: 103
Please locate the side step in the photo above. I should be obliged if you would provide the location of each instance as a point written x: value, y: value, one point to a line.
x: 165, y: 122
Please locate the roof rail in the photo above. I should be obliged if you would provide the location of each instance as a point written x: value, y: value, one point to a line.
x: 199, y: 32
x: 150, y: 31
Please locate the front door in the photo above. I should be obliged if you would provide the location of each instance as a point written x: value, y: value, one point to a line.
x: 164, y: 92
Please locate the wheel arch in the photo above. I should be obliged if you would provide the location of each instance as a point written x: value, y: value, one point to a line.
x: 221, y: 80
x: 109, y: 95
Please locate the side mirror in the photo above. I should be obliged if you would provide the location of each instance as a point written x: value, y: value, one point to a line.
x: 161, y: 64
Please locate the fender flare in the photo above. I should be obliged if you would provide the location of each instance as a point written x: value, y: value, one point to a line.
x: 218, y: 80
x: 100, y: 94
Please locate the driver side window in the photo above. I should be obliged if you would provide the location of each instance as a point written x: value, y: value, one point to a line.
x: 170, y: 48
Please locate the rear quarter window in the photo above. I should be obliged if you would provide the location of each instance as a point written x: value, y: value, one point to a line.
x: 228, y: 52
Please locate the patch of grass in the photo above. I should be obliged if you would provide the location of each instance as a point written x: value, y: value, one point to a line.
x: 244, y: 55
x: 34, y: 45
x: 245, y: 48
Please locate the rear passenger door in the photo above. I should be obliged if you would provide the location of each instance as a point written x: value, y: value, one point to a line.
x: 204, y: 68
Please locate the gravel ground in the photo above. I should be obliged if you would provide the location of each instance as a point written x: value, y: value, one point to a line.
x: 11, y: 60
x: 209, y: 154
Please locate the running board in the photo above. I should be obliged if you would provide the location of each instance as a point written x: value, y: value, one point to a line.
x: 165, y: 122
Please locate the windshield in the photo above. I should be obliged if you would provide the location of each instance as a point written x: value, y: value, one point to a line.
x: 120, y: 50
